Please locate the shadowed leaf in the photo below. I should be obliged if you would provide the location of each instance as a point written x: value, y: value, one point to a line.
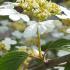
x: 12, y: 60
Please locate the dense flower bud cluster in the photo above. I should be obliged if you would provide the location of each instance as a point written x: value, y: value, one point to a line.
x: 53, y: 8
x: 39, y: 10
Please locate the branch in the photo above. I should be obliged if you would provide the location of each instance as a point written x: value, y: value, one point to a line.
x: 52, y: 63
x: 57, y: 61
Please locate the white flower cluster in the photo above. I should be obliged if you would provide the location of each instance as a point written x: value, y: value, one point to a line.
x: 8, y: 10
x: 49, y: 27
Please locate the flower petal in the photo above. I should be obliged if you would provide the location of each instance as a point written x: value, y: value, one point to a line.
x: 68, y: 30
x: 31, y: 22
x: 49, y: 24
x: 24, y: 17
x: 30, y: 31
x: 9, y: 41
x: 62, y: 16
x: 7, y: 5
x: 6, y: 12
x: 7, y: 46
x: 66, y: 13
x: 13, y: 42
x: 57, y: 34
x: 65, y: 10
x: 14, y: 17
x: 17, y: 34
x: 42, y: 29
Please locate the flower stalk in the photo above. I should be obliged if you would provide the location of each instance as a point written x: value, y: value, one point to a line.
x: 38, y: 43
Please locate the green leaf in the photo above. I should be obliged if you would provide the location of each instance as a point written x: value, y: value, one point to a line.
x: 1, y: 1
x: 12, y: 60
x: 4, y: 17
x: 58, y: 44
x: 10, y: 0
x: 67, y: 66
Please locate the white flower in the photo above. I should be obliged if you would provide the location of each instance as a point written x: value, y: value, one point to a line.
x: 8, y: 42
x: 58, y: 24
x: 17, y: 16
x: 10, y: 4
x: 17, y: 34
x: 22, y: 48
x: 57, y: 34
x: 4, y: 22
x: 8, y: 10
x: 7, y: 5
x: 31, y: 30
x: 63, y: 17
x: 66, y: 14
x: 33, y: 49
x: 30, y: 50
x: 3, y: 29
x: 68, y: 30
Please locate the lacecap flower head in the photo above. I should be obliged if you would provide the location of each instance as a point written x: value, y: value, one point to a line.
x: 39, y: 10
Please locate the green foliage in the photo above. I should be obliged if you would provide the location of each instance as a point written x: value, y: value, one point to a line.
x: 67, y: 66
x: 12, y: 60
x: 10, y: 0
x: 1, y: 1
x: 4, y: 17
x: 58, y: 44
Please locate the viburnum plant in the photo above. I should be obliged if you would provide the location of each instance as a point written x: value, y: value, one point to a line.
x: 36, y: 31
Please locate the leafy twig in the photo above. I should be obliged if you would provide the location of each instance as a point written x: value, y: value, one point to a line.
x: 57, y: 61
